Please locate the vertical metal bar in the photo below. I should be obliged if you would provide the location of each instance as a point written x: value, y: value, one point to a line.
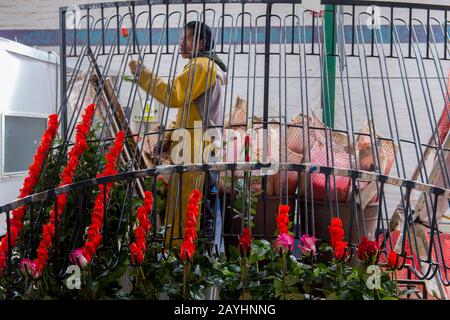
x: 30, y: 209
x: 223, y: 26
x: 391, y: 39
x: 428, y: 34
x: 232, y: 201
x: 167, y: 27
x: 353, y: 30
x: 180, y: 206
x: 410, y: 33
x: 88, y: 29
x: 266, y: 98
x: 267, y: 68
x: 312, y: 33
x: 62, y: 61
x: 185, y: 23
x: 80, y: 211
x: 298, y: 225
x: 242, y: 26
x: 8, y: 232
x: 204, y: 14
x: 133, y: 25
x: 372, y: 40
x: 292, y: 28
x: 150, y: 28
x: 117, y: 30
x: 329, y: 69
x: 75, y: 36
x: 130, y: 209
x: 445, y: 34
x: 380, y: 211
x: 102, y: 12
x: 105, y: 215
x: 433, y: 227
x: 55, y: 239
x: 204, y: 218
x: 406, y: 218
x: 333, y: 28
x: 354, y: 207
x: 325, y: 202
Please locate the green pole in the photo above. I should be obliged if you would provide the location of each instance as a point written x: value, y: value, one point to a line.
x: 329, y: 66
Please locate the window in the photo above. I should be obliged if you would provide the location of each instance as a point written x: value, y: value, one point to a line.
x: 22, y: 136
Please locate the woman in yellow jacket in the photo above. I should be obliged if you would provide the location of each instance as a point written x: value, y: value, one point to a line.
x: 198, y: 94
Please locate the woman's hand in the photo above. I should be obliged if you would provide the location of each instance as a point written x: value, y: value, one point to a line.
x: 135, y: 66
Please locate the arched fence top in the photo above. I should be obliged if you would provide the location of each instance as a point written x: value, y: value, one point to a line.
x: 403, y: 4
x: 174, y: 2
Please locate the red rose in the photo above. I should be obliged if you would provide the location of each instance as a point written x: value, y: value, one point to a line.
x: 367, y: 249
x: 245, y: 240
x: 90, y: 247
x: 392, y: 260
x: 145, y: 224
x: 13, y: 231
x: 87, y: 255
x: 137, y: 248
x: 141, y: 245
x: 187, y: 251
x: 148, y: 195
x: 2, y: 261
x: 283, y: 219
x: 190, y: 234
x: 336, y: 222
x: 97, y: 239
x: 4, y: 246
x: 42, y: 253
x: 191, y: 223
x: 195, y: 196
x: 190, y: 227
x: 336, y: 234
x: 48, y: 229
x: 339, y: 250
x: 283, y: 209
x: 140, y: 233
x: 137, y: 256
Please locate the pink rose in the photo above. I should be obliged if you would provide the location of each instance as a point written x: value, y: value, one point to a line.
x: 308, y: 245
x: 77, y: 257
x: 284, y: 242
x: 30, y: 268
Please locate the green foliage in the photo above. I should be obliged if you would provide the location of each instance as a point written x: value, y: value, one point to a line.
x: 246, y: 199
x: 261, y: 274
x: 257, y: 284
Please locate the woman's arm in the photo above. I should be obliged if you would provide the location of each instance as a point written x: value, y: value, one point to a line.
x: 193, y: 77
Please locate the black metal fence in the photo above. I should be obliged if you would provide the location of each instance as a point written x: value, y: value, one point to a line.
x: 377, y: 156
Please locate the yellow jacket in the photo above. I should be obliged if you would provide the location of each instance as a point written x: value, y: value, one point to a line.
x: 196, y: 80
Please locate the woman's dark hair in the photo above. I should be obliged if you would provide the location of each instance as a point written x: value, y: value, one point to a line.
x: 202, y: 32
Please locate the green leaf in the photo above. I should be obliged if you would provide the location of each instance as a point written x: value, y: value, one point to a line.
x: 278, y: 286
x: 325, y: 247
x: 234, y: 268
x: 333, y: 296
x: 389, y: 298
x: 197, y: 271
x: 290, y: 280
x: 234, y: 252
